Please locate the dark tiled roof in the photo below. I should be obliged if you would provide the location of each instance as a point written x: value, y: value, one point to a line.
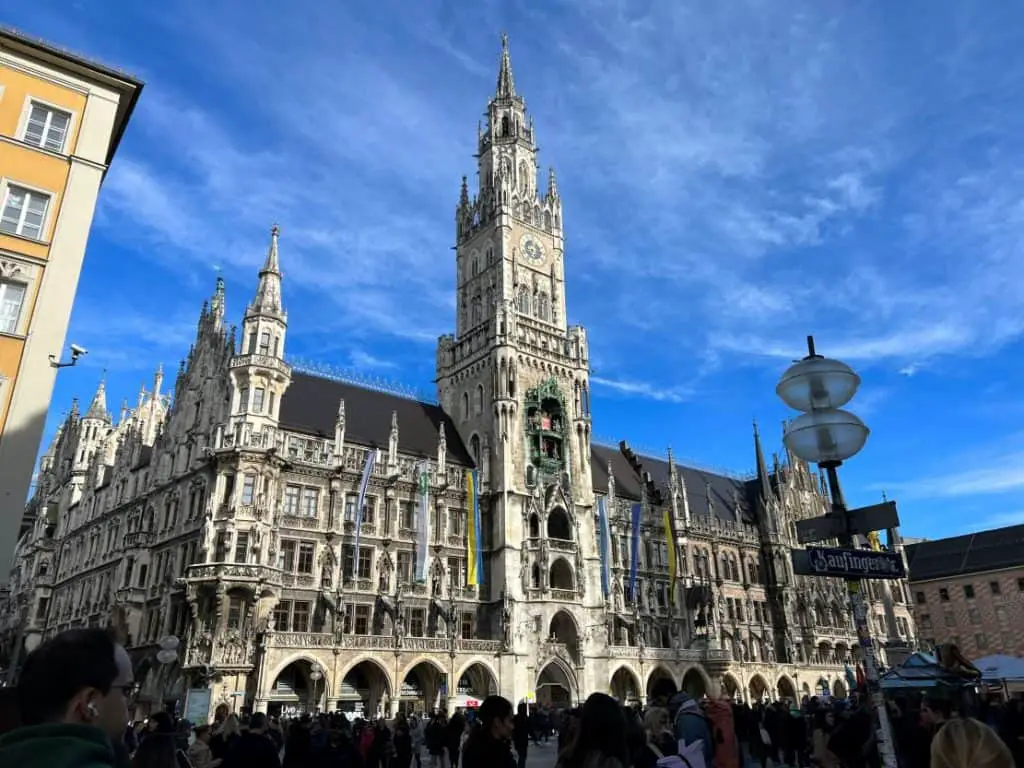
x: 310, y: 405
x: 700, y: 484
x: 962, y: 555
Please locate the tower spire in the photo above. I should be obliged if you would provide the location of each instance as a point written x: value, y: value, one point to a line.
x: 762, y: 466
x: 98, y: 407
x: 506, y: 88
x: 268, y: 293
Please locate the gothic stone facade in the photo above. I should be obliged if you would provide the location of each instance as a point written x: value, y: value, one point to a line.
x: 223, y: 513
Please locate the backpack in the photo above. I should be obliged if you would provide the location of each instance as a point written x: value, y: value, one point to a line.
x: 723, y: 733
x: 702, y: 716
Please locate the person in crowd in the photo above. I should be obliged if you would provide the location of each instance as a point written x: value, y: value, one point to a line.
x: 935, y: 712
x: 659, y: 740
x: 433, y: 736
x: 73, y: 696
x: 489, y: 745
x: 690, y: 724
x: 158, y: 750
x: 10, y: 718
x: 254, y: 748
x: 403, y: 742
x: 567, y: 732
x: 199, y: 752
x: 968, y: 743
x: 453, y: 734
x: 521, y: 734
x: 824, y: 725
x: 225, y: 733
x: 601, y: 741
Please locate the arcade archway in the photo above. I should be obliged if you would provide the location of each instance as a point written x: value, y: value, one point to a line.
x: 476, y: 683
x: 625, y: 686
x: 295, y: 691
x: 787, y: 690
x: 694, y: 683
x: 759, y: 690
x: 556, y: 686
x: 660, y: 685
x: 364, y: 690
x: 421, y: 688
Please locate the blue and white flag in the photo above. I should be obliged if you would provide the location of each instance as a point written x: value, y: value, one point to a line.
x: 605, y: 543
x: 371, y: 459
x: 423, y: 522
x: 634, y: 553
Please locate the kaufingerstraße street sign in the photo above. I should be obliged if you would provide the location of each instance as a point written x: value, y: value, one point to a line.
x: 848, y: 563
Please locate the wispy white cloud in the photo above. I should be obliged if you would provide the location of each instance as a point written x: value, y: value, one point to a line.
x: 1000, y: 520
x: 986, y: 474
x: 644, y: 390
x: 361, y: 360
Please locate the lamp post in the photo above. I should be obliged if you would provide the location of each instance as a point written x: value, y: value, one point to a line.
x: 316, y: 673
x: 827, y: 436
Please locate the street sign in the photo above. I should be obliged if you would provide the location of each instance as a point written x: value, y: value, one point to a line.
x: 860, y: 521
x: 848, y: 563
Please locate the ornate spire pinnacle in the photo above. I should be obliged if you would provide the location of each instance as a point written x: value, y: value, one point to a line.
x: 98, y: 407
x: 552, y: 184
x: 506, y: 84
x: 268, y: 293
x: 762, y: 466
x: 464, y: 193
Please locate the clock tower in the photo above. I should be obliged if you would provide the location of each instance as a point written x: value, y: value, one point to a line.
x: 515, y: 379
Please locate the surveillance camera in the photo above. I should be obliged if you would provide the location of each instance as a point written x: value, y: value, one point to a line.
x: 77, y: 351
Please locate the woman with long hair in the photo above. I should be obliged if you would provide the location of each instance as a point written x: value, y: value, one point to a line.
x: 964, y: 742
x: 489, y: 744
x: 602, y: 740
x: 659, y: 740
x: 157, y: 750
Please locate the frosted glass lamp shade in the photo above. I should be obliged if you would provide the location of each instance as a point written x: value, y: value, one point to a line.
x: 817, y: 383
x: 826, y: 436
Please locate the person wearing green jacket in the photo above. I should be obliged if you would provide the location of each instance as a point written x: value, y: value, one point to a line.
x: 73, y: 693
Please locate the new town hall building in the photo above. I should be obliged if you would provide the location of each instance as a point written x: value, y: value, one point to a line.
x: 220, y: 510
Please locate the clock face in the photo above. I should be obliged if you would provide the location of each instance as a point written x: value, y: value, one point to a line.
x: 531, y: 249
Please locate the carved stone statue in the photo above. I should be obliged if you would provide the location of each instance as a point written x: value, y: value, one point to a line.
x: 435, y: 584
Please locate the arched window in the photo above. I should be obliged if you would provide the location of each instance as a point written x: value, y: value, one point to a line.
x: 505, y: 126
x: 524, y: 301
x: 474, y: 448
x: 547, y: 221
x: 479, y: 400
x: 465, y: 405
x: 543, y: 306
x: 476, y: 310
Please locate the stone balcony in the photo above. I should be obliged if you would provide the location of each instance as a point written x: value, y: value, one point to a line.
x: 380, y: 642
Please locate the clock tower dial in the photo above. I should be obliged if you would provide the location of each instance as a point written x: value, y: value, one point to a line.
x: 532, y: 250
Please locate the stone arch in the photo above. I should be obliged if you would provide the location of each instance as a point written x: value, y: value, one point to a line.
x: 299, y: 656
x: 378, y: 684
x: 839, y: 690
x: 534, y: 524
x: 625, y: 685
x: 786, y: 689
x: 479, y: 678
x: 559, y: 526
x: 561, y: 575
x: 695, y: 682
x: 822, y: 687
x: 564, y: 629
x: 293, y: 684
x: 731, y: 687
x: 758, y: 688
x: 556, y: 684
x: 429, y: 660
x: 661, y: 683
x: 425, y: 676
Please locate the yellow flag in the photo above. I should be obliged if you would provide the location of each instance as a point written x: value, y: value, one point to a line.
x: 671, y: 559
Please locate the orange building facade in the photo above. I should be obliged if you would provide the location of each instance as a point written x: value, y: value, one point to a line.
x: 61, y: 119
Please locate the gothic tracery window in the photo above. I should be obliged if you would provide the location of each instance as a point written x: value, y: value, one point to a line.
x: 524, y: 301
x: 476, y: 310
x: 543, y: 306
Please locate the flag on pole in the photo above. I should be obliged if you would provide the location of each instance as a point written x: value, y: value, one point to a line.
x: 634, y: 554
x: 672, y: 572
x: 605, y: 534
x: 371, y: 459
x: 423, y: 523
x: 474, y: 555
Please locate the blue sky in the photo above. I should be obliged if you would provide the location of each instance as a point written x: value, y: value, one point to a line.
x: 734, y: 176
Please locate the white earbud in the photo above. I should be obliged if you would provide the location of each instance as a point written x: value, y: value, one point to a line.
x: 91, y: 709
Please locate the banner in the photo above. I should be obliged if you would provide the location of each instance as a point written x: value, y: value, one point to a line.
x: 634, y: 551
x: 605, y: 542
x: 673, y: 574
x: 371, y: 459
x: 474, y: 555
x: 423, y: 524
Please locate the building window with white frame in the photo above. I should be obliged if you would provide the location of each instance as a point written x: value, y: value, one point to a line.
x: 12, y: 299
x: 258, y: 395
x: 24, y: 212
x: 47, y: 127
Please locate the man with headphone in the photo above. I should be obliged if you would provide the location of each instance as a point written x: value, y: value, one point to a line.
x: 73, y: 691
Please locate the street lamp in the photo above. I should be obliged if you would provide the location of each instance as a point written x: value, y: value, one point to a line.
x: 827, y: 436
x: 316, y: 673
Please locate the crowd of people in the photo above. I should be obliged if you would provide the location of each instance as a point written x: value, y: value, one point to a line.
x: 70, y: 710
